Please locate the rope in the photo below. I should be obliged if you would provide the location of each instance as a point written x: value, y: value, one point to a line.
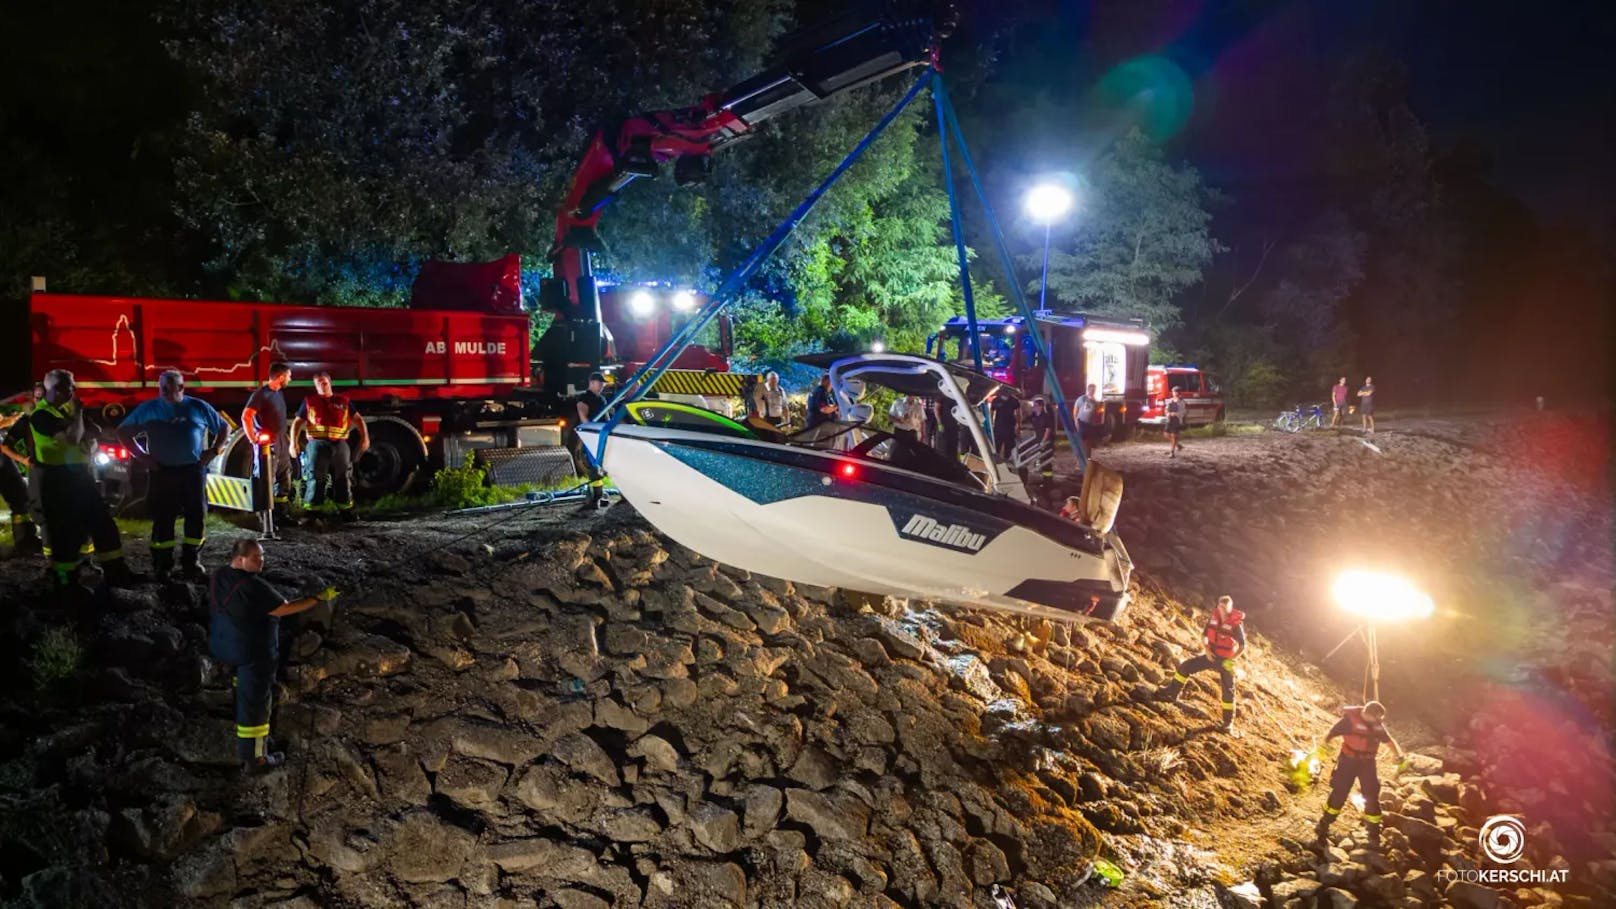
x: 959, y: 229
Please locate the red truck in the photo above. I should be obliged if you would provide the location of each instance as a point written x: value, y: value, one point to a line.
x: 434, y: 384
x: 1203, y: 400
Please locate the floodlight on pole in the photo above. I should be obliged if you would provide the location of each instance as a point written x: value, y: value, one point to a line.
x: 1047, y: 202
x: 1374, y: 597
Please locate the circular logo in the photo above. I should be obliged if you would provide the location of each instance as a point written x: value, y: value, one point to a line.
x: 1503, y: 838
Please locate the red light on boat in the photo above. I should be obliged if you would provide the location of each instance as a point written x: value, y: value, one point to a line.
x: 847, y: 470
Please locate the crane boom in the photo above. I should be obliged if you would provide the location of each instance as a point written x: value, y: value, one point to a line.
x: 874, y: 40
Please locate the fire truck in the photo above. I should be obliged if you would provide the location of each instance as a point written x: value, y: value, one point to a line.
x: 1109, y: 353
x: 455, y: 373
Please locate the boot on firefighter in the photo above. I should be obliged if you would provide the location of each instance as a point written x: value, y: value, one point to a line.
x: 69, y: 496
x: 328, y: 419
x: 244, y: 633
x: 175, y: 437
x: 589, y: 403
x: 1225, y: 640
x: 1362, y: 730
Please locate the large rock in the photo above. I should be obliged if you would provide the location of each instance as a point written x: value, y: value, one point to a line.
x: 838, y: 816
x: 472, y: 784
x: 715, y: 827
x: 493, y: 743
x: 584, y: 755
x: 1466, y: 895
x: 546, y: 858
x: 424, y: 849
x: 164, y: 830
x: 657, y: 752
x: 551, y: 791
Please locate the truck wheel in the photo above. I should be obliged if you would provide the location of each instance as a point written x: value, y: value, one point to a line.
x: 392, y: 463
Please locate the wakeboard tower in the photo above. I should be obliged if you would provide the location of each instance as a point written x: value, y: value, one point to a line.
x: 846, y: 504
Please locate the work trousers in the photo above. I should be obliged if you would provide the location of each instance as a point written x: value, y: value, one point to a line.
x: 328, y: 458
x: 255, y: 683
x: 14, y: 490
x: 172, y: 493
x: 281, y: 468
x: 1225, y: 679
x: 1004, y: 441
x: 74, y: 514
x: 1349, y: 770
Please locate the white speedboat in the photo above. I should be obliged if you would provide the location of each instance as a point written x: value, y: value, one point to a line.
x: 848, y: 505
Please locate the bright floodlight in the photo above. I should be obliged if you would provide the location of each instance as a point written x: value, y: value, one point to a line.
x: 1047, y: 202
x: 877, y: 347
x: 641, y: 303
x: 684, y: 301
x: 1379, y: 597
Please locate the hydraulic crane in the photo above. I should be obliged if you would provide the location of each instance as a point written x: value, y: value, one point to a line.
x: 875, y: 40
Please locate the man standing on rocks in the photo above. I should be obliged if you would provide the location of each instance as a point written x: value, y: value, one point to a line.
x: 68, y: 493
x: 13, y: 488
x: 245, y: 633
x: 1362, y: 730
x: 1225, y: 639
x: 183, y: 434
x: 266, y: 413
x: 1177, y: 419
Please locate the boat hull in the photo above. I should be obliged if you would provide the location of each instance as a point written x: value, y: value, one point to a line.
x: 825, y: 519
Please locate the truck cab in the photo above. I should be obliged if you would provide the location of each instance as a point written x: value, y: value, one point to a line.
x: 1200, y: 392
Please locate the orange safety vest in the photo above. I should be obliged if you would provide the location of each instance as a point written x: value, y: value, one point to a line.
x: 328, y: 418
x: 1220, y: 637
x: 1362, y: 738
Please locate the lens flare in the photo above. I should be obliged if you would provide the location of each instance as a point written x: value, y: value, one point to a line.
x: 1381, y: 597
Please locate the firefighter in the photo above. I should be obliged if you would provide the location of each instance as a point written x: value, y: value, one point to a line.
x: 69, y: 496
x: 1362, y: 730
x: 13, y: 488
x: 1225, y: 639
x: 589, y: 404
x: 328, y: 419
x: 245, y: 633
x: 265, y: 414
x: 183, y: 435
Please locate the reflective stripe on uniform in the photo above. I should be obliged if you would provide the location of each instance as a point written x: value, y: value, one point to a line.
x: 1180, y: 677
x: 1371, y: 818
x: 195, y: 541
x: 1331, y: 811
x: 109, y: 555
x: 252, y: 732
x: 162, y: 544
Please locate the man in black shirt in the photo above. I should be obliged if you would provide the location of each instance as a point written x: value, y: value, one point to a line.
x: 245, y: 633
x: 589, y: 404
x: 1006, y: 411
x: 1043, y: 429
x: 266, y: 413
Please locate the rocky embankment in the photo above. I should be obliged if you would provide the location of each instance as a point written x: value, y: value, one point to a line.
x: 576, y: 713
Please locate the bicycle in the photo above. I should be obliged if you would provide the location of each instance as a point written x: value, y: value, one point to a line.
x: 1300, y: 418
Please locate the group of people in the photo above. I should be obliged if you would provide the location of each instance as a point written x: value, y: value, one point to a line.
x: 175, y: 437
x: 1361, y: 728
x: 1341, y: 396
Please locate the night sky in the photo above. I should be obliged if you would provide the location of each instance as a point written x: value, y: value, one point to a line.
x: 1530, y: 83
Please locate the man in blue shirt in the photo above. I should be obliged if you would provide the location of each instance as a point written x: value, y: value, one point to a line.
x: 182, y: 436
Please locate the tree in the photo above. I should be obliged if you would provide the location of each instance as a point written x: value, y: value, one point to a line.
x: 1141, y: 237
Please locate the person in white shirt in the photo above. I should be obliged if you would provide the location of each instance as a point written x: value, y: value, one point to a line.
x: 1086, y: 414
x: 770, y: 400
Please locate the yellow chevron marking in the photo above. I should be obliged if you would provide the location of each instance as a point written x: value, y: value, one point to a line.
x: 691, y: 382
x: 229, y: 492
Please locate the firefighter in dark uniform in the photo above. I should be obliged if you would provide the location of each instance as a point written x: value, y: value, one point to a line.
x: 245, y: 633
x: 1225, y: 639
x: 13, y: 488
x: 68, y: 494
x: 183, y: 435
x: 328, y: 419
x: 265, y: 414
x: 589, y: 404
x: 1362, y: 730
